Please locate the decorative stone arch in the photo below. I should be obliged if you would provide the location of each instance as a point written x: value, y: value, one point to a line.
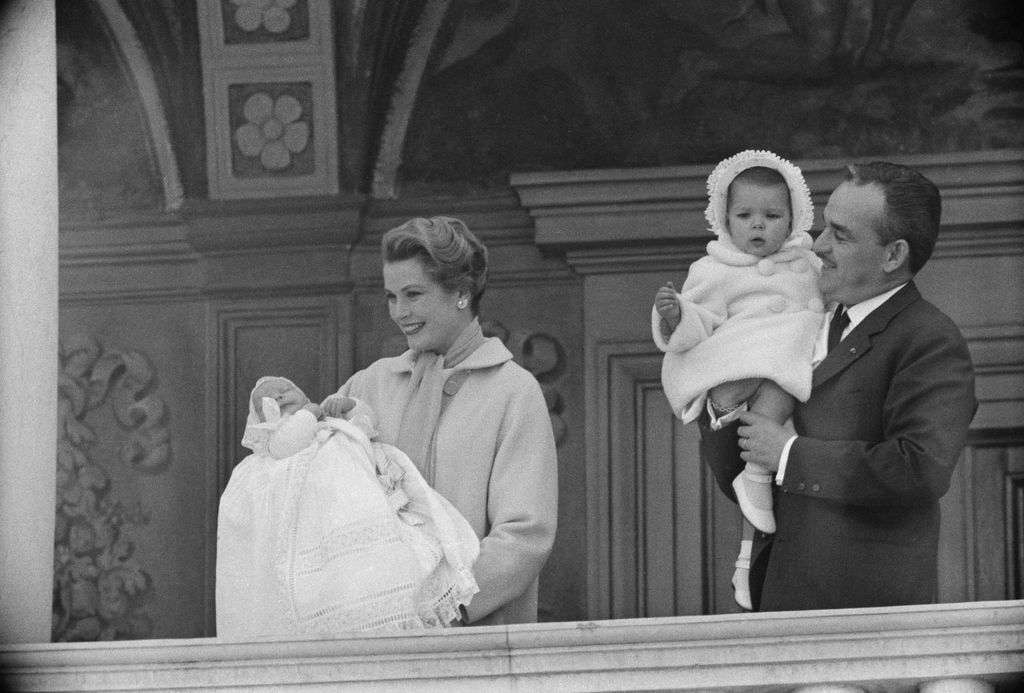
x: 127, y: 42
x: 403, y: 99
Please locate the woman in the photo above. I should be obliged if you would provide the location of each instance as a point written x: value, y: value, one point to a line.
x: 473, y: 421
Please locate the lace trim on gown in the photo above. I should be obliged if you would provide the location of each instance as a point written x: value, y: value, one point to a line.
x: 340, y: 556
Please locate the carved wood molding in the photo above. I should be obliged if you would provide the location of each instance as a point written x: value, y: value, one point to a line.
x: 999, y: 374
x: 996, y: 349
x: 208, y: 248
x: 659, y: 210
x: 224, y: 226
x: 981, y: 549
x: 648, y: 529
x: 613, y: 364
x: 1015, y: 533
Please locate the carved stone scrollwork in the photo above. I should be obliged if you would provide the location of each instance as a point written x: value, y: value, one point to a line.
x: 537, y: 352
x: 544, y: 357
x: 99, y: 588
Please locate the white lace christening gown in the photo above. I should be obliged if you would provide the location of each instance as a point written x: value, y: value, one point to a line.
x: 342, y: 536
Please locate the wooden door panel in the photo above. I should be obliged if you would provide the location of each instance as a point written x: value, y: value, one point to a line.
x: 671, y: 537
x: 664, y: 538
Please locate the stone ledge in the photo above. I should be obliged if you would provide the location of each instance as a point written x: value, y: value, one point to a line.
x: 882, y: 650
x: 582, y: 210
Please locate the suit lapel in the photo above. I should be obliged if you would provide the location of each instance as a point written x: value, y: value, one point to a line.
x: 860, y: 339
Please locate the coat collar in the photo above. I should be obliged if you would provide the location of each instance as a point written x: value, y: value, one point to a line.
x: 491, y: 353
x: 860, y: 339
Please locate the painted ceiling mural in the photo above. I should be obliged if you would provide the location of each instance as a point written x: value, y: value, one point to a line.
x: 562, y: 84
x: 520, y: 85
x: 104, y: 158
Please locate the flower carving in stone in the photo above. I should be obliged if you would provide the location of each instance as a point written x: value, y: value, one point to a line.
x: 100, y: 590
x: 272, y: 15
x: 274, y: 130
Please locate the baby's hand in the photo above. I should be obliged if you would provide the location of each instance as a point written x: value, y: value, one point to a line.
x: 315, y: 409
x: 666, y: 302
x: 337, y: 406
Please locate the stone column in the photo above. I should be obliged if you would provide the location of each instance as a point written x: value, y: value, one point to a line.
x: 28, y: 316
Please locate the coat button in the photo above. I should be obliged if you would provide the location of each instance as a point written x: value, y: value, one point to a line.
x: 800, y: 487
x: 450, y: 387
x: 816, y: 488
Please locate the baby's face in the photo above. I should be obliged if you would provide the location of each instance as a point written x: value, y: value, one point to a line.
x: 759, y: 218
x: 289, y: 398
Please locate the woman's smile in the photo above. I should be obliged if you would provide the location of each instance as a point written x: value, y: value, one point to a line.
x: 425, y: 311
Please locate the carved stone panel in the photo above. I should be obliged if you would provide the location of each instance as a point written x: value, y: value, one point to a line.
x: 100, y: 590
x: 269, y: 98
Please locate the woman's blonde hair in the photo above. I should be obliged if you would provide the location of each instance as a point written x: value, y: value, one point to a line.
x: 449, y: 252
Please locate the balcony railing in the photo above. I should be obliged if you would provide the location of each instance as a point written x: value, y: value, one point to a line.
x: 950, y: 647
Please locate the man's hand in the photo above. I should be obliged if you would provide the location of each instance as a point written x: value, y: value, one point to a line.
x: 666, y: 302
x: 315, y: 409
x: 762, y: 440
x: 337, y: 406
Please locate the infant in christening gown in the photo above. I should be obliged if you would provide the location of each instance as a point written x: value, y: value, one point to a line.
x: 342, y: 535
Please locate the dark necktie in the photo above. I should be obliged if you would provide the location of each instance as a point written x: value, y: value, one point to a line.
x: 835, y: 328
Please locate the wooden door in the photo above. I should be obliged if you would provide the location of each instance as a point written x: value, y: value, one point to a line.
x: 663, y: 537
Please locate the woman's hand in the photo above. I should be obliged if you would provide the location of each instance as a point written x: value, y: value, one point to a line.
x: 337, y: 406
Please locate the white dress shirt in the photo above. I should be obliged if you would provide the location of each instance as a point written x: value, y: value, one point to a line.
x: 857, y: 314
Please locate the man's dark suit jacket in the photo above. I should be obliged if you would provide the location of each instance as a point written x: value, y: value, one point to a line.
x: 858, y: 512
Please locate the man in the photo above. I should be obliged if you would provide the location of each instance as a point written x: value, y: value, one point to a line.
x: 858, y: 485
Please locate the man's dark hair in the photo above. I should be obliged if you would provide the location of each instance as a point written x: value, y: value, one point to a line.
x: 913, y: 206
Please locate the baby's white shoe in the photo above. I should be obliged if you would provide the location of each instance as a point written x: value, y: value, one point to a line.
x: 754, y: 494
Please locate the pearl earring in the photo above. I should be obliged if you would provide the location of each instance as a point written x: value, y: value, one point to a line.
x: 462, y: 303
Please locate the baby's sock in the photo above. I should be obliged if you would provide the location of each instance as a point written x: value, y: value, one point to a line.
x: 754, y: 494
x: 741, y: 576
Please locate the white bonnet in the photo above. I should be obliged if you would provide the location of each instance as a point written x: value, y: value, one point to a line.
x: 257, y: 432
x: 727, y: 170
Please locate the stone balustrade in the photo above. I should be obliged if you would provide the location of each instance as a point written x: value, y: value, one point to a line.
x: 948, y: 648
